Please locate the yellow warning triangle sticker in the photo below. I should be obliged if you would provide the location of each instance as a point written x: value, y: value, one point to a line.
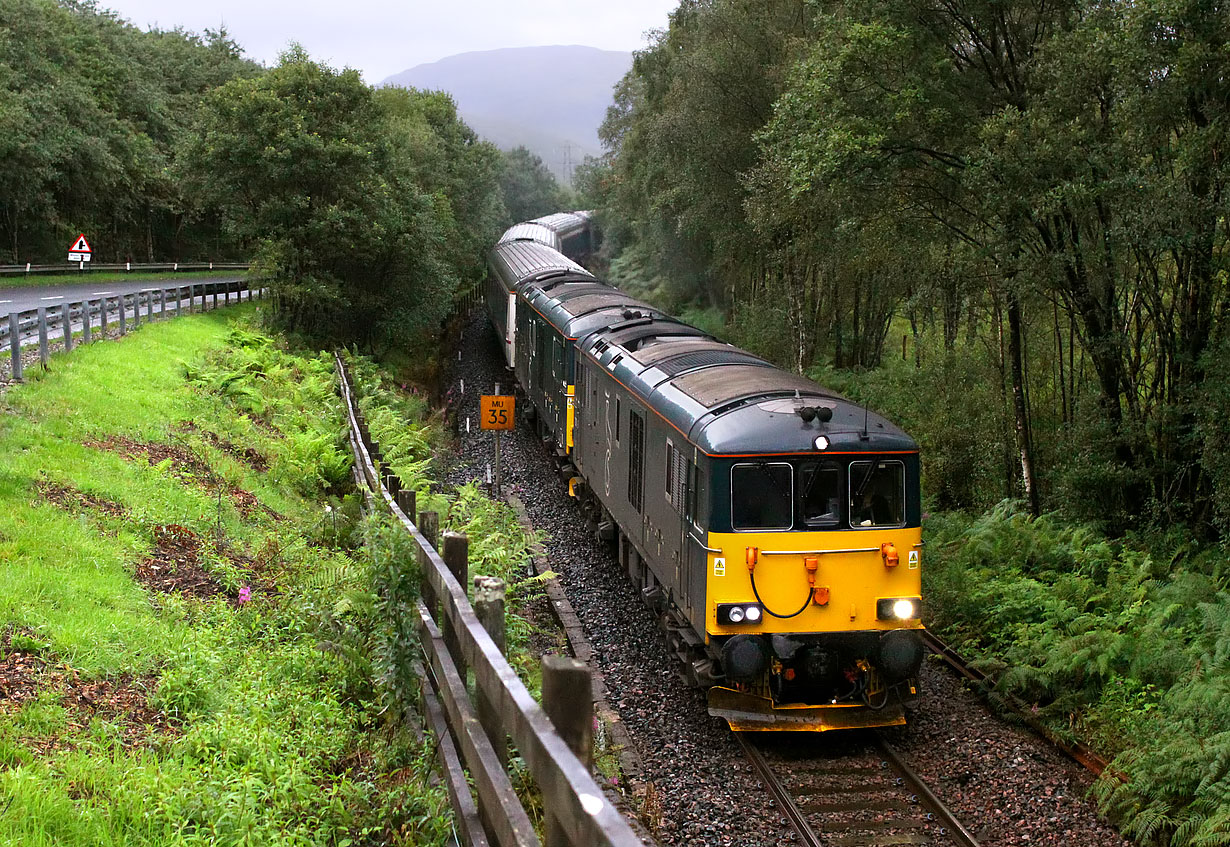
x: 80, y: 246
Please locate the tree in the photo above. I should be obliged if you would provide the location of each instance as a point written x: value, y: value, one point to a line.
x: 529, y: 188
x: 342, y: 194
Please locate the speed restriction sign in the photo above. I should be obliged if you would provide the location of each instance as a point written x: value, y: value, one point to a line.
x: 496, y: 411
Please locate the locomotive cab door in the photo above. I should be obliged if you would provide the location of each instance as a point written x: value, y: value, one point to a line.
x: 695, y: 533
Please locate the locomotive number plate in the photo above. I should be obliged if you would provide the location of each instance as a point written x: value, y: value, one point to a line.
x: 496, y: 411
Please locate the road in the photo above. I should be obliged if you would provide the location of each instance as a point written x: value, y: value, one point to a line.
x: 32, y: 297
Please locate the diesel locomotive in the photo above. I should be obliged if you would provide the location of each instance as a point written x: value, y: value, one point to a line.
x: 774, y: 525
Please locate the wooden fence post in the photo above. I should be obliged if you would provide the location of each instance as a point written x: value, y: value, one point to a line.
x: 568, y: 700
x: 406, y: 502
x: 429, y: 525
x: 457, y: 557
x: 489, y: 594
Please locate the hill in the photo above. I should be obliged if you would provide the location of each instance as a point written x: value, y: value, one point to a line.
x: 550, y: 99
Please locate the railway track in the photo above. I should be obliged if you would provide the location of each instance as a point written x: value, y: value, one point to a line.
x: 853, y: 791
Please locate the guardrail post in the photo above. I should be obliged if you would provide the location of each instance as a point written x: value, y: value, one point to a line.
x: 123, y: 309
x: 42, y: 336
x: 457, y: 557
x: 179, y: 301
x: 215, y: 295
x: 226, y: 296
x: 102, y: 316
x: 191, y: 299
x: 136, y: 309
x: 429, y: 525
x: 15, y: 343
x: 489, y: 594
x: 568, y: 700
x: 149, y: 307
x: 86, y: 331
x: 66, y: 320
x: 162, y: 302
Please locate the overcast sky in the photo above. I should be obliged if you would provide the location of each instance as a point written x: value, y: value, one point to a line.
x: 382, y: 37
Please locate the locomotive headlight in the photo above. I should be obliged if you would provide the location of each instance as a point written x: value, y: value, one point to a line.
x: 729, y: 614
x: 822, y: 442
x: 899, y: 609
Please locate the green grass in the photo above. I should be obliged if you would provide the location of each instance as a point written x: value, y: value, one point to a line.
x: 72, y: 278
x: 275, y: 740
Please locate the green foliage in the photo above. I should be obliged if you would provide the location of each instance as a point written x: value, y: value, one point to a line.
x: 837, y: 171
x: 1125, y: 644
x: 528, y: 187
x: 93, y: 109
x: 270, y: 711
x: 351, y: 199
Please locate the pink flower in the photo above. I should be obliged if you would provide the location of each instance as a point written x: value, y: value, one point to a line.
x: 245, y: 594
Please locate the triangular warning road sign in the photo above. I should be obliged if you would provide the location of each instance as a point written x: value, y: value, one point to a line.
x: 80, y: 245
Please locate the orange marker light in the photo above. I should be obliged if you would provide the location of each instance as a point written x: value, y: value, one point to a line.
x: 788, y: 673
x: 811, y: 563
x: 753, y: 556
x: 820, y: 596
x: 889, y: 552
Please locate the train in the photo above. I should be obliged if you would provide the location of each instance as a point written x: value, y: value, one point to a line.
x: 773, y: 525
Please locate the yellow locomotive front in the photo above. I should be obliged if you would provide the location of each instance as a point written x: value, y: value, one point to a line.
x: 813, y: 584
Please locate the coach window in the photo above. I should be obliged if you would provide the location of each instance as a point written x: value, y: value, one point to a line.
x: 877, y: 493
x: 820, y: 493
x: 762, y: 496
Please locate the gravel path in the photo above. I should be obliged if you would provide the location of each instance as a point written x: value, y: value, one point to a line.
x: 1008, y: 786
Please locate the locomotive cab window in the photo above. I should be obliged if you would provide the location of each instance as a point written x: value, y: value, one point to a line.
x: 877, y: 493
x: 762, y: 496
x: 820, y: 493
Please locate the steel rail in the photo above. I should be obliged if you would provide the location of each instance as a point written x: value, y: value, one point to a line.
x: 953, y: 827
x: 1075, y: 750
x: 807, y: 835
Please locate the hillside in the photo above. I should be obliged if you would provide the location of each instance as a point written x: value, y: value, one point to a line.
x: 550, y: 99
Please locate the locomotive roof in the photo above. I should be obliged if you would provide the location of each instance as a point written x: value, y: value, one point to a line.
x: 728, y: 402
x: 576, y: 310
x: 517, y: 262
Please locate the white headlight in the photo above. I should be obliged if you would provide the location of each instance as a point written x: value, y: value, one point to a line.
x: 822, y: 442
x: 753, y: 614
x: 904, y: 610
x: 736, y: 615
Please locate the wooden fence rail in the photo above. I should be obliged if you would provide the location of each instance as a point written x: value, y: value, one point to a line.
x: 456, y: 643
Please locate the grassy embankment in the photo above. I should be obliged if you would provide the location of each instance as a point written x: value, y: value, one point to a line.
x: 168, y: 577
x: 75, y: 277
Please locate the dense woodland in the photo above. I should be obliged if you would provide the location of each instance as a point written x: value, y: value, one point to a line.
x: 368, y: 209
x: 1026, y: 200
